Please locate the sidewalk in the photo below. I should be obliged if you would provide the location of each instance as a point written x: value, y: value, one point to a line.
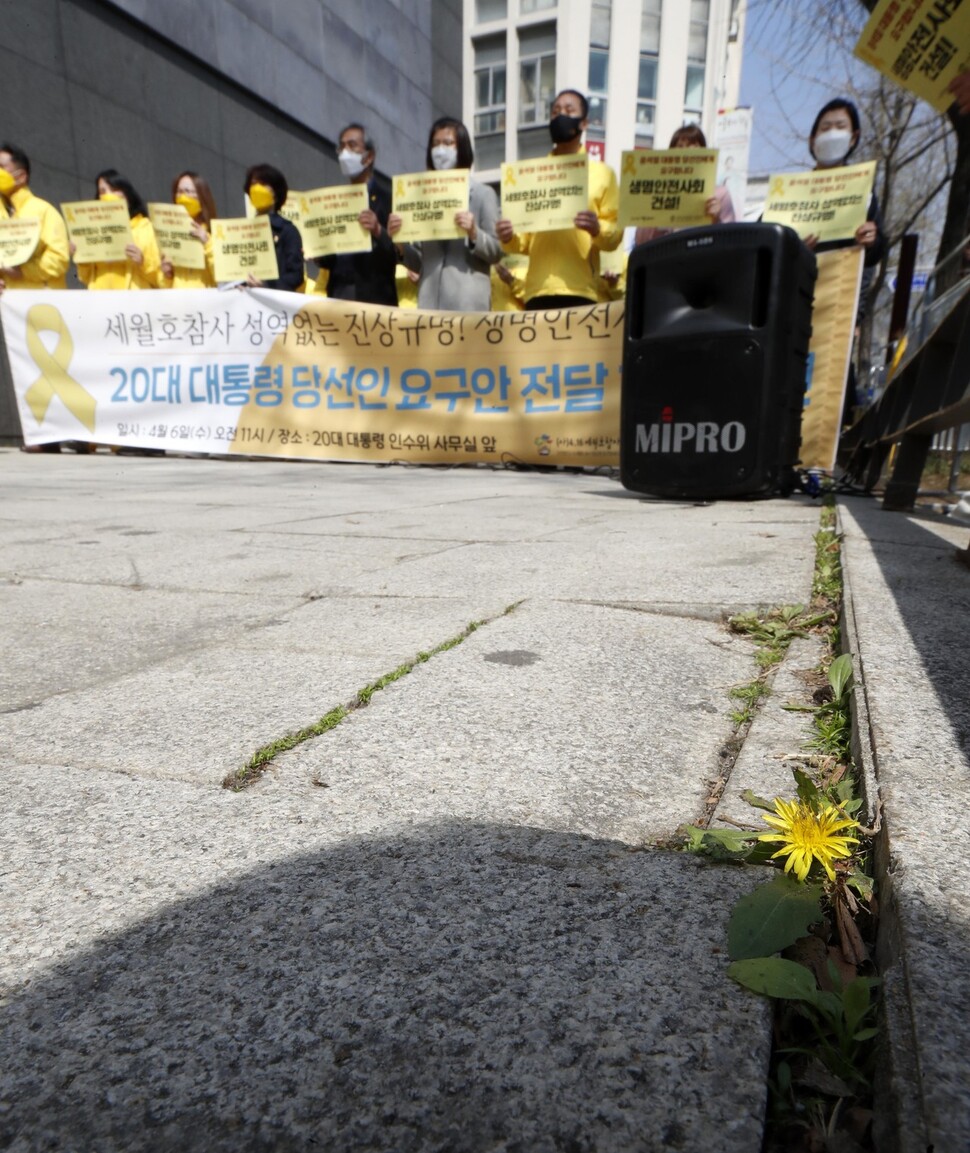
x: 436, y: 925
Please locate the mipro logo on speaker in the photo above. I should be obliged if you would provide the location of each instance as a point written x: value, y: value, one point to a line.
x: 679, y: 436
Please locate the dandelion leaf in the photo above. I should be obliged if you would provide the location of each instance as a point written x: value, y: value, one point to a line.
x: 773, y: 917
x: 775, y: 977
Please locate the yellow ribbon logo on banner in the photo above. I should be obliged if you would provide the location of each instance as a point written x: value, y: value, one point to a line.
x: 401, y: 190
x: 508, y: 175
x: 777, y: 187
x: 55, y: 379
x: 629, y: 165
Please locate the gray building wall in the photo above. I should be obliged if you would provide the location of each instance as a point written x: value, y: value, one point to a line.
x: 154, y: 87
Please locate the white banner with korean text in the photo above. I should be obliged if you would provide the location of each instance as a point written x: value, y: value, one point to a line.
x: 265, y: 373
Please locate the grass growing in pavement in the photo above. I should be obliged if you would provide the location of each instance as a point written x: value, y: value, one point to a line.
x: 801, y: 938
x: 263, y: 758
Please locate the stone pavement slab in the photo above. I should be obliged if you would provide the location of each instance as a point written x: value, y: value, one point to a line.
x: 582, y: 718
x: 261, y: 977
x: 909, y: 603
x: 434, y: 927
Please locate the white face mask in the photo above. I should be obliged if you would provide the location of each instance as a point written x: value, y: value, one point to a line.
x: 351, y: 163
x: 832, y: 147
x: 444, y: 156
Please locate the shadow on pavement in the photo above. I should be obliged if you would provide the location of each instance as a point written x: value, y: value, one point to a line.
x: 455, y: 988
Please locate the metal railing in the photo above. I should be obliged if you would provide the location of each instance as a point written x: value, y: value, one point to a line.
x: 926, y: 395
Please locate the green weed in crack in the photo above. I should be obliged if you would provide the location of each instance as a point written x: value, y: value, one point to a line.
x: 258, y: 763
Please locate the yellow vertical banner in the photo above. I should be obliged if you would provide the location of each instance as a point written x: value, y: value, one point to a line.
x: 833, y: 328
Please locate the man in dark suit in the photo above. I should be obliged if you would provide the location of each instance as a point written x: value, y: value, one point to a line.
x: 364, y: 276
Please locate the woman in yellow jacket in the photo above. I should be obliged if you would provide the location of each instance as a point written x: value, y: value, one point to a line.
x: 192, y: 191
x: 143, y: 265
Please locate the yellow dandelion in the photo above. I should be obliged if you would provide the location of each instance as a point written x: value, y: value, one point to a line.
x: 806, y: 835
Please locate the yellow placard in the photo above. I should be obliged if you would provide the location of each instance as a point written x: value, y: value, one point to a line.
x: 922, y: 45
x: 241, y: 246
x: 833, y: 326
x: 829, y: 203
x: 173, y: 231
x: 99, y: 229
x: 18, y: 240
x: 329, y: 223
x: 544, y: 194
x: 427, y: 202
x: 292, y: 210
x: 667, y: 188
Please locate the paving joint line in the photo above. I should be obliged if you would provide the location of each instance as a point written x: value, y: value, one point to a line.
x: 260, y: 761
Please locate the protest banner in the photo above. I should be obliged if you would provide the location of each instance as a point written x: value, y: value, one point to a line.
x: 544, y: 194
x: 833, y: 327
x: 173, y: 232
x: 281, y: 374
x: 921, y: 45
x: 241, y: 246
x: 100, y: 230
x: 329, y: 220
x: 666, y: 188
x: 829, y: 203
x: 19, y: 237
x: 427, y: 202
x: 732, y: 139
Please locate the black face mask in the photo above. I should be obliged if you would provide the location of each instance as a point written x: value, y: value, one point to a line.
x: 562, y: 128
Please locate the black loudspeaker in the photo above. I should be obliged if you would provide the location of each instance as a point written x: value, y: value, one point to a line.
x: 715, y: 355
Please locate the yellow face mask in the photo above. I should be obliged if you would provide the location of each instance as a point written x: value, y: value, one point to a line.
x: 263, y: 198
x: 111, y: 196
x: 7, y: 182
x: 191, y: 204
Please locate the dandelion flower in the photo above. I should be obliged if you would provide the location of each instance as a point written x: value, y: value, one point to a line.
x: 807, y: 834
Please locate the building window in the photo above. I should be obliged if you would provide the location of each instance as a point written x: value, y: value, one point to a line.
x: 647, y: 79
x: 650, y: 27
x: 490, y: 85
x: 646, y: 101
x: 700, y: 11
x: 537, y: 73
x: 488, y: 10
x: 599, y: 65
x: 527, y: 6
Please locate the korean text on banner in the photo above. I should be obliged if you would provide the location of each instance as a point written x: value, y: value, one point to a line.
x: 329, y: 221
x: 173, y: 231
x: 833, y: 325
x: 829, y: 203
x: 281, y: 374
x: 99, y: 230
x: 545, y: 194
x: 241, y: 246
x: 19, y: 237
x: 922, y: 45
x: 427, y: 202
x: 668, y: 188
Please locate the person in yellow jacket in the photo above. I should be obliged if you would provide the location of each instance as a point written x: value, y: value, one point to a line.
x: 47, y: 265
x: 564, y: 263
x: 143, y: 264
x: 192, y: 191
